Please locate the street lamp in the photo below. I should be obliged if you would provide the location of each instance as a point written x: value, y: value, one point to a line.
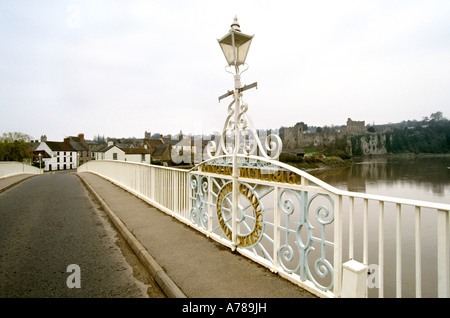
x: 40, y: 163
x: 235, y: 46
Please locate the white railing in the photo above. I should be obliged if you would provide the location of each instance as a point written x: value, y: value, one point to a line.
x: 377, y: 228
x: 11, y: 168
x: 166, y: 188
x: 299, y: 226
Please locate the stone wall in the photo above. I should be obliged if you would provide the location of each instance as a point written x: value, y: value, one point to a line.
x: 369, y: 144
x: 294, y: 138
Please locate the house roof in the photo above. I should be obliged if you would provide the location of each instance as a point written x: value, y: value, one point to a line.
x: 183, y: 142
x: 78, y: 146
x: 42, y: 152
x: 160, y: 149
x: 104, y: 149
x: 133, y: 151
x: 59, y: 146
x: 128, y: 151
x: 152, y: 143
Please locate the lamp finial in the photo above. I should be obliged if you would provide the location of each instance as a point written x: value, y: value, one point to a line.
x: 235, y: 25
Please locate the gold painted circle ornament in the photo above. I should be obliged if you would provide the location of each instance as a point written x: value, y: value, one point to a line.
x: 250, y: 215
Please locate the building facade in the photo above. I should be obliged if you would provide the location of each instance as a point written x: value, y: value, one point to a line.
x: 59, y: 155
x: 113, y: 152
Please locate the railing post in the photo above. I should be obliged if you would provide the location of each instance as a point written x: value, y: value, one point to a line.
x: 276, y: 227
x: 366, y: 233
x: 418, y: 254
x: 354, y: 279
x: 381, y: 249
x: 337, y: 246
x: 398, y: 251
x: 190, y: 193
x: 209, y: 205
x: 443, y: 238
x: 351, y: 233
x: 152, y: 182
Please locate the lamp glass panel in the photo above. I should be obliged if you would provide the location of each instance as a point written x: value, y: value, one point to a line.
x: 242, y: 52
x: 242, y: 45
x: 228, y: 52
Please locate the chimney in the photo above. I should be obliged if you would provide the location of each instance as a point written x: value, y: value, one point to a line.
x: 81, y: 136
x: 110, y: 143
x: 43, y: 138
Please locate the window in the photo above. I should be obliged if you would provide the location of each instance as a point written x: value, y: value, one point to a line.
x: 115, y: 156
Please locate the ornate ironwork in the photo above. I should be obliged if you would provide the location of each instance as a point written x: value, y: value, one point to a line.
x: 250, y: 143
x: 304, y: 228
x: 303, y: 216
x: 199, y: 211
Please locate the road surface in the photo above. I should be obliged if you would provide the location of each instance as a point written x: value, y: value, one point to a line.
x: 55, y: 241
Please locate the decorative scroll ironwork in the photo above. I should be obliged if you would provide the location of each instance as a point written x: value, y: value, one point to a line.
x: 304, y: 236
x: 250, y: 143
x: 199, y: 211
x: 303, y: 216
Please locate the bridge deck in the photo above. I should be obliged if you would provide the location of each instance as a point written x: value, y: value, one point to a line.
x: 8, y: 182
x: 199, y: 266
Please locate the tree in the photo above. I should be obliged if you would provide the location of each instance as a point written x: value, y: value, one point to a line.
x: 100, y: 139
x: 14, y: 146
x: 13, y: 136
x: 437, y: 116
x: 302, y: 125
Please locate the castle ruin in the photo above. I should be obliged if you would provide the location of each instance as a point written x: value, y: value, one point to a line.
x: 296, y: 138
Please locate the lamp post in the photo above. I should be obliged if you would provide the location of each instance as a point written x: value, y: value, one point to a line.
x: 40, y: 163
x: 235, y: 46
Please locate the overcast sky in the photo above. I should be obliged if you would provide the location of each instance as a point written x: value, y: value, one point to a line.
x: 120, y: 68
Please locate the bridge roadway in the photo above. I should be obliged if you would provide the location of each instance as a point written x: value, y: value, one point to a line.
x: 183, y: 261
x: 49, y: 222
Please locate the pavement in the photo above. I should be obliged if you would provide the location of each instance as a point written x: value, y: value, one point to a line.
x: 184, y: 262
x: 8, y: 182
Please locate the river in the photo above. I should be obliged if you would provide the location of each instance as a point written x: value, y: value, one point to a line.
x: 425, y: 178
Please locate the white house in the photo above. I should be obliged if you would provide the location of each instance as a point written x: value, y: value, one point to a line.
x: 188, y: 149
x: 113, y: 152
x: 60, y: 155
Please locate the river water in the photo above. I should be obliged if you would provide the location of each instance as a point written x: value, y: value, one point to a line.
x: 425, y: 178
